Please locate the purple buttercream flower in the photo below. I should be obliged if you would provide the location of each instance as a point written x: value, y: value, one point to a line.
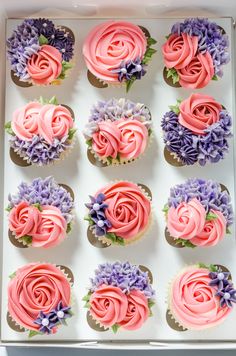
x: 208, y: 192
x: 61, y: 313
x: 46, y: 322
x: 227, y: 296
x: 44, y: 192
x: 129, y: 69
x: 44, y: 26
x: 210, y: 38
x: 97, y: 209
x: 219, y: 279
x: 169, y: 121
x: 66, y: 48
x: 125, y: 276
x: 188, y: 154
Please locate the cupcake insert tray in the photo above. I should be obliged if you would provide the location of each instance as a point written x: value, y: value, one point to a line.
x: 76, y: 252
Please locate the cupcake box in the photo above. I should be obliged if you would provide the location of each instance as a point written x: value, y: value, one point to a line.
x: 85, y: 179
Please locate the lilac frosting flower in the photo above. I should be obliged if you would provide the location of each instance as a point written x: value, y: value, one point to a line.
x: 44, y: 192
x: 46, y: 322
x: 44, y: 26
x: 97, y: 209
x: 210, y: 38
x: 61, y: 313
x: 220, y: 279
x: 227, y: 296
x: 208, y: 192
x: 129, y: 69
x: 125, y: 276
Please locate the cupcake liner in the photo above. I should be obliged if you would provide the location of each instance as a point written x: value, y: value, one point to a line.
x: 142, y: 234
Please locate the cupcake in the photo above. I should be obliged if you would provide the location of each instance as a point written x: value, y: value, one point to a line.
x: 42, y: 132
x: 198, y: 213
x: 194, y: 53
x: 117, y: 52
x: 39, y: 298
x: 196, y: 130
x: 201, y: 297
x: 41, y: 213
x: 119, y: 213
x: 118, y: 131
x: 39, y: 52
x: 120, y: 296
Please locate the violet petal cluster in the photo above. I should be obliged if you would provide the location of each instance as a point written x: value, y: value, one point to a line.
x: 125, y: 276
x: 208, y: 192
x: 129, y: 69
x: 225, y: 288
x: 97, y: 209
x: 115, y: 109
x: 210, y: 38
x: 44, y: 192
x: 38, y: 151
x: 190, y: 148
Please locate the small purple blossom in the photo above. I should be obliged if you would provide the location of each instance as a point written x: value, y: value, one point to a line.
x: 227, y: 296
x: 219, y: 279
x: 44, y: 192
x: 208, y: 192
x: 125, y: 276
x: 44, y: 26
x: 129, y: 69
x: 61, y: 313
x: 46, y: 322
x: 97, y: 209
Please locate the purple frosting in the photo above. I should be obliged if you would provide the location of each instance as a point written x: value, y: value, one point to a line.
x: 225, y: 288
x: 44, y: 192
x: 208, y: 192
x: 210, y: 39
x: 97, y: 208
x: 125, y: 276
x: 130, y: 69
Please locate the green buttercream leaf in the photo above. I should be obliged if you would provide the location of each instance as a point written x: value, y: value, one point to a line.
x: 228, y: 231
x: 26, y: 239
x: 53, y: 101
x: 71, y: 133
x: 90, y: 221
x: 129, y: 83
x: 9, y: 129
x: 8, y: 208
x: 151, y: 303
x: 118, y: 157
x: 65, y: 67
x: 148, y: 55
x: 87, y: 305
x: 172, y: 73
x: 185, y: 243
x: 86, y: 298
x: 214, y: 77
x: 89, y: 142
x: 33, y: 333
x: 166, y: 208
x: 68, y: 228
x: 149, y: 132
x: 211, y: 267
x: 43, y: 40
x: 211, y: 216
x: 115, y: 239
x: 38, y: 206
x: 11, y: 276
x: 115, y: 328
x: 168, y: 36
x: 151, y: 41
x: 109, y: 158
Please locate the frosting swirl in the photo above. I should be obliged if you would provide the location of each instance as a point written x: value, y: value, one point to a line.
x: 52, y: 228
x: 25, y: 121
x: 108, y: 305
x: 36, y: 287
x: 106, y: 139
x: 198, y: 73
x: 187, y: 220
x: 45, y: 66
x: 133, y: 138
x: 110, y: 43
x: 137, y: 311
x: 128, y: 209
x: 55, y: 122
x: 193, y: 302
x: 178, y: 51
x: 198, y: 112
x: 24, y: 219
x: 213, y: 232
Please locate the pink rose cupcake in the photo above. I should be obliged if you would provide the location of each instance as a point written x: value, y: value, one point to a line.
x: 42, y: 132
x: 201, y: 297
x: 194, y: 53
x: 117, y: 52
x: 39, y: 298
x: 114, y: 304
x: 39, y: 52
x: 118, y: 131
x: 196, y: 130
x: 198, y: 213
x: 119, y: 213
x: 40, y: 214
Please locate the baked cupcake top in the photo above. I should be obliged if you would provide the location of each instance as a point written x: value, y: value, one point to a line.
x: 39, y: 298
x: 201, y: 297
x: 41, y: 131
x: 120, y: 296
x: 39, y: 52
x: 119, y: 213
x: 118, y: 51
x: 195, y: 52
x: 41, y: 213
x: 197, y: 129
x: 118, y: 130
x: 198, y: 213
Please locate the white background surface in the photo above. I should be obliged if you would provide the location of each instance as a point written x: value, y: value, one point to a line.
x: 85, y: 179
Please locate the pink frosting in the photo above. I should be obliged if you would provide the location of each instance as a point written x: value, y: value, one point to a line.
x: 178, y: 51
x: 213, y: 232
x: 55, y: 122
x: 128, y: 209
x: 106, y: 139
x: 36, y: 287
x: 110, y: 43
x: 193, y: 302
x: 137, y: 311
x: 24, y: 219
x: 187, y: 220
x: 198, y: 112
x: 45, y: 65
x: 198, y: 73
x: 25, y: 121
x: 133, y: 138
x: 52, y: 229
x: 108, y: 305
